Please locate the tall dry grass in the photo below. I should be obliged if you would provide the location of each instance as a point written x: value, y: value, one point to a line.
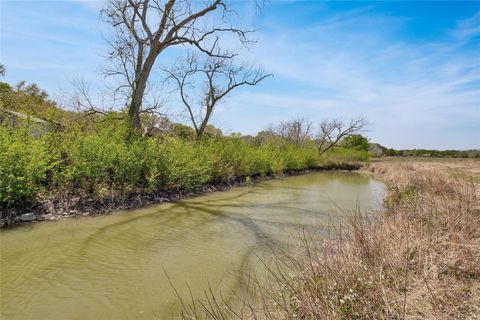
x: 419, y: 260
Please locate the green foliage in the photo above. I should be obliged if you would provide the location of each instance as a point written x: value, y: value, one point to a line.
x: 4, y: 87
x: 105, y: 159
x: 341, y: 154
x: 212, y: 132
x: 390, y: 152
x: 32, y: 101
x: 24, y: 163
x: 185, y: 168
x: 182, y: 131
x: 429, y: 153
x: 356, y: 141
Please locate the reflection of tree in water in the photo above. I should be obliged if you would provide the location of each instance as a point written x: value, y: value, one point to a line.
x: 289, y: 197
x: 263, y: 241
x: 176, y: 215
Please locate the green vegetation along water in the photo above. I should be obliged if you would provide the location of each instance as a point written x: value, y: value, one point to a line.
x: 114, y: 266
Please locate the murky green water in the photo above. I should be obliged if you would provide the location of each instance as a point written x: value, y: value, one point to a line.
x: 114, y: 266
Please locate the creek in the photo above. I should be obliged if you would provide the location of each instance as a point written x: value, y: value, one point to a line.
x: 115, y: 266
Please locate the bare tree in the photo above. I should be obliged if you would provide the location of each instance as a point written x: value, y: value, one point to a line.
x: 145, y: 28
x: 296, y: 131
x: 2, y: 70
x: 216, y: 77
x: 332, y: 131
x: 82, y: 101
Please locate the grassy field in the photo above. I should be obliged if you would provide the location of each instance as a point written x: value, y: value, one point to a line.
x: 467, y: 170
x: 420, y: 259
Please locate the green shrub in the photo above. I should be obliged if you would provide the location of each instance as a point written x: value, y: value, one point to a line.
x: 24, y: 163
x: 103, y: 158
x: 299, y: 158
x: 101, y: 161
x: 356, y: 142
x: 274, y: 158
x: 340, y: 154
x: 184, y: 167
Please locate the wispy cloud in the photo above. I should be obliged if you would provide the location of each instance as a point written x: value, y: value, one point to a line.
x: 327, y: 63
x: 350, y: 65
x: 468, y: 29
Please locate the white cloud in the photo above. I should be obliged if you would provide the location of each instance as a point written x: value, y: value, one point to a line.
x: 415, y: 94
x: 468, y: 28
x: 417, y: 91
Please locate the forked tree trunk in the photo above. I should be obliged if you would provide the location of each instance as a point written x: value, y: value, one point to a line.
x: 135, y: 107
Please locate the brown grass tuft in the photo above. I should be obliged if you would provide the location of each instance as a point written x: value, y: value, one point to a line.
x: 419, y: 260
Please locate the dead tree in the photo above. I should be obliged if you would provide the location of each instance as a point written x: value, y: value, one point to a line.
x: 217, y: 78
x: 296, y: 131
x: 82, y: 101
x: 333, y: 131
x: 145, y: 28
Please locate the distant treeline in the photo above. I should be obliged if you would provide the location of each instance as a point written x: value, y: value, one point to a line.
x: 381, y: 151
x: 433, y: 153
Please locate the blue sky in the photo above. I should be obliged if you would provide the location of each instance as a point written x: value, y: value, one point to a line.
x: 412, y: 69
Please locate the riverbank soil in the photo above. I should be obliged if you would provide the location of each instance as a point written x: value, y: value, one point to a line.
x: 419, y: 260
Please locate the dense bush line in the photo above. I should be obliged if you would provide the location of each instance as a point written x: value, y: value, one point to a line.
x: 107, y: 161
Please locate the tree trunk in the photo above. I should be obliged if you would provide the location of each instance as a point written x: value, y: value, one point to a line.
x: 201, y: 130
x: 200, y: 133
x: 137, y: 96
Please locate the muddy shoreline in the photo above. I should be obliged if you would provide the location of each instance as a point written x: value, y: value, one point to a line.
x: 70, y: 206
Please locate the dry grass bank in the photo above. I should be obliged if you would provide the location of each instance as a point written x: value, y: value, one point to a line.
x: 420, y: 260
x: 391, y: 169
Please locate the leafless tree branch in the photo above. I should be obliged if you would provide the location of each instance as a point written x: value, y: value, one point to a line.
x: 332, y: 131
x: 296, y: 131
x: 218, y: 77
x: 82, y: 101
x: 145, y: 28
